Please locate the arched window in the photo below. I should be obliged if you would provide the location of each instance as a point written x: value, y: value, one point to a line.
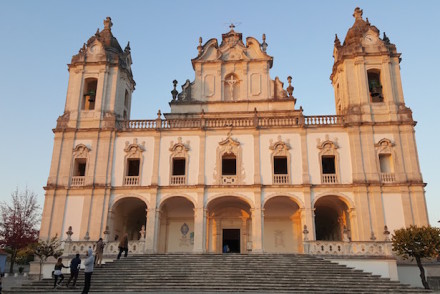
x: 375, y: 86
x: 178, y: 162
x: 89, y: 94
x: 280, y: 162
x: 126, y: 105
x: 133, y: 163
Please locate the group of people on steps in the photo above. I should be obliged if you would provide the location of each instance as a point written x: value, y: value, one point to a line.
x: 89, y: 263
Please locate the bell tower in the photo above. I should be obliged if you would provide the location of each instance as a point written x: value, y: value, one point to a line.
x: 100, y: 83
x: 366, y: 75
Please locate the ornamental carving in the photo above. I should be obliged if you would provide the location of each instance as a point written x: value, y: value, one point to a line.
x: 81, y: 151
x: 384, y: 146
x: 134, y: 150
x: 327, y: 146
x: 279, y: 148
x: 179, y: 149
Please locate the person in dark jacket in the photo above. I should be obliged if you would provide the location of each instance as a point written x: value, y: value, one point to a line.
x: 88, y: 270
x: 75, y: 265
x: 123, y: 246
x: 57, y: 272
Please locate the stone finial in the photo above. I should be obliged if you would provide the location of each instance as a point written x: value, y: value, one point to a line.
x: 372, y: 237
x: 127, y: 48
x: 386, y: 233
x: 367, y: 21
x: 337, y: 41
x: 290, y: 87
x: 199, y: 48
x: 232, y: 26
x: 174, y: 92
x: 358, y: 13
x: 159, y: 114
x: 345, y: 235
x: 97, y: 32
x: 69, y: 234
x: 264, y: 44
x: 142, y: 233
x: 108, y: 23
x: 386, y: 39
x: 106, y: 233
x: 87, y: 236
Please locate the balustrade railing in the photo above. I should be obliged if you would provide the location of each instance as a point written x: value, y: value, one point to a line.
x: 281, y: 179
x: 354, y: 248
x: 178, y: 180
x: 314, y: 120
x: 77, y: 181
x: 388, y: 177
x: 73, y: 247
x: 131, y: 181
x: 329, y: 179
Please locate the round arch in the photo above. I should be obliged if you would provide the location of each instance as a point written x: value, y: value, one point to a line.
x: 117, y: 199
x: 235, y: 195
x: 170, y: 196
x: 344, y: 198
x: 293, y: 197
x: 127, y: 216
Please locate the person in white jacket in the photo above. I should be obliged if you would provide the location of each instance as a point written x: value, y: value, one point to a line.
x: 88, y: 270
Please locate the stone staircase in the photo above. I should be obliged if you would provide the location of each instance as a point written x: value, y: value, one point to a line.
x: 264, y: 273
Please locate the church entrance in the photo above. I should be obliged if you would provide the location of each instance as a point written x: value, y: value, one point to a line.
x: 231, y: 240
x: 229, y: 225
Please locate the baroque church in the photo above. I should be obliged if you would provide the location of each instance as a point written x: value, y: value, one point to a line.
x: 236, y: 166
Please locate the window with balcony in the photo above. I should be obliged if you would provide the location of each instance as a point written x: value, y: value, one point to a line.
x: 80, y: 156
x: 89, y: 94
x: 384, y: 149
x: 178, y: 161
x: 329, y: 158
x: 375, y: 86
x: 228, y: 168
x: 229, y: 165
x: 280, y: 161
x: 133, y: 163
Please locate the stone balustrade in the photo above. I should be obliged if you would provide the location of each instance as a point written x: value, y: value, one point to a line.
x: 280, y: 179
x: 110, y: 248
x: 131, y: 181
x: 178, y: 180
x: 355, y: 248
x: 77, y: 181
x: 298, y: 120
x: 329, y: 179
x: 388, y: 177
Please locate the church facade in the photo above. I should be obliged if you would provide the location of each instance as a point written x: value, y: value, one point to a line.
x: 236, y: 166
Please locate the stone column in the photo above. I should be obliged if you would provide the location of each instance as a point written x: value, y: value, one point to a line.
x: 257, y: 230
x: 152, y: 231
x: 199, y: 230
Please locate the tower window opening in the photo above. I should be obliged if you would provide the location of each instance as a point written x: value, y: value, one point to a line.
x: 80, y: 167
x: 229, y: 165
x: 328, y: 165
x: 280, y: 165
x: 179, y: 166
x: 385, y: 163
x: 133, y: 167
x: 89, y: 97
x: 375, y: 86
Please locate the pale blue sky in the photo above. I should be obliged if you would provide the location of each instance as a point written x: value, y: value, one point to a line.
x: 38, y: 39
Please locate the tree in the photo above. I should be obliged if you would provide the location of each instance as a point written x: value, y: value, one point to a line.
x: 417, y: 242
x: 18, y: 222
x: 45, y: 249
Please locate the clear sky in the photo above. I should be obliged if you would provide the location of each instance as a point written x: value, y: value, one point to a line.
x: 38, y: 39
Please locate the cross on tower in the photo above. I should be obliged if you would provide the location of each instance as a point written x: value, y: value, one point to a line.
x: 231, y: 82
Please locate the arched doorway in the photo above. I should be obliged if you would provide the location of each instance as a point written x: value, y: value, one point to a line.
x: 282, y: 226
x: 128, y: 215
x: 228, y: 225
x: 176, y: 232
x: 331, y: 219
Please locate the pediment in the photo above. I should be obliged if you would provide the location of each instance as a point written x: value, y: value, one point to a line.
x: 229, y: 142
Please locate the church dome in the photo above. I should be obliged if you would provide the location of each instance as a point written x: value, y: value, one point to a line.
x: 359, y: 28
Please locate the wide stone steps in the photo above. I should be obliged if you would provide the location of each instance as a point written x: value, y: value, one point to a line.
x: 213, y: 273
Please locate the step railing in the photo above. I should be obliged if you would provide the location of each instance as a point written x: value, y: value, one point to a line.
x: 353, y: 248
x: 274, y: 121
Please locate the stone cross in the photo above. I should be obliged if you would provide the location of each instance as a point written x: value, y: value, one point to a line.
x: 231, y: 82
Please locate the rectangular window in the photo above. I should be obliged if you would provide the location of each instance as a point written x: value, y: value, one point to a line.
x: 328, y: 164
x: 229, y: 165
x: 385, y: 163
x: 80, y: 167
x: 280, y: 165
x: 179, y: 166
x: 133, y: 167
